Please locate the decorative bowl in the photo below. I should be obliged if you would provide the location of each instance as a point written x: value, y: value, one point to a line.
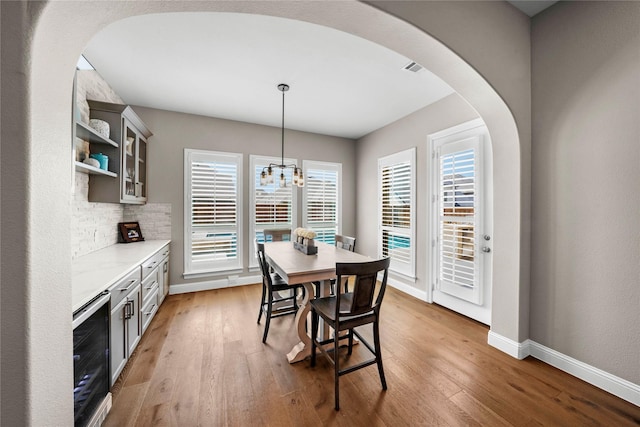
x: 100, y: 126
x: 92, y: 162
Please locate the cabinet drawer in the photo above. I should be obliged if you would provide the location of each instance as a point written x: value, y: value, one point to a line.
x: 121, y: 289
x: 164, y: 252
x: 149, y: 265
x: 150, y: 283
x: 149, y: 309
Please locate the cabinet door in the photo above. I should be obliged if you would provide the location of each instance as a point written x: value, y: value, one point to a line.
x: 118, y: 348
x: 163, y: 280
x: 129, y: 162
x: 141, y: 169
x: 133, y: 324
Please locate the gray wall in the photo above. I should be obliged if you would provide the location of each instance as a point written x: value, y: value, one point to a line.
x: 406, y: 133
x: 173, y: 132
x: 585, y: 293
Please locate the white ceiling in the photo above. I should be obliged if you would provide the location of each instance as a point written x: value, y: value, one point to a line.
x: 228, y: 65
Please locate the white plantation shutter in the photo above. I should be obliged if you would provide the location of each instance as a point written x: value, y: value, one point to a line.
x: 396, y: 178
x: 322, y: 199
x: 213, y: 191
x: 457, y: 219
x: 272, y: 207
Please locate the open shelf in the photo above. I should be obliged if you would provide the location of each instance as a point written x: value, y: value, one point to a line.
x: 83, y: 167
x: 88, y: 134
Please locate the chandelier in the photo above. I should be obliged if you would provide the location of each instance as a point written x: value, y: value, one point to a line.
x: 266, y: 177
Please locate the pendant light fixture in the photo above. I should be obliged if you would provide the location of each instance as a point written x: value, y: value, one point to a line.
x: 266, y: 177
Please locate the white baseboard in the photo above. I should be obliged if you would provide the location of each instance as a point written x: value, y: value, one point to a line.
x: 615, y: 385
x: 213, y: 284
x: 416, y: 293
x: 506, y: 345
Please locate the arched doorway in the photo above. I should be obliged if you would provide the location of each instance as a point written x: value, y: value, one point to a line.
x: 43, y: 331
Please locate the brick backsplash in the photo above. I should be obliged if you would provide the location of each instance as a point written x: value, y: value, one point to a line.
x: 94, y: 225
x: 154, y: 219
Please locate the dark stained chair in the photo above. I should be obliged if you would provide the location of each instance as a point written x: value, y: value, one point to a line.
x: 346, y: 311
x: 348, y: 243
x: 273, y: 303
x: 276, y: 235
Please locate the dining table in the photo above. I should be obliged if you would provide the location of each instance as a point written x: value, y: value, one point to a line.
x: 296, y: 267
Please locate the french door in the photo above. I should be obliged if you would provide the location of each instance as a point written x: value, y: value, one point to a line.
x: 461, y: 221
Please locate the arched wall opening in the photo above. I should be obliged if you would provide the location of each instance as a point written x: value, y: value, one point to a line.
x: 57, y: 42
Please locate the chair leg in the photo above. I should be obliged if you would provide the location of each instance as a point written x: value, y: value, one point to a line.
x: 350, y: 342
x: 336, y: 346
x: 376, y: 342
x: 314, y: 334
x: 268, y: 319
x: 261, y: 303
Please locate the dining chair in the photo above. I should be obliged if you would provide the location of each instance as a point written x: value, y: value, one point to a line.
x: 272, y: 300
x: 345, y: 242
x: 348, y: 243
x: 276, y: 235
x: 345, y: 312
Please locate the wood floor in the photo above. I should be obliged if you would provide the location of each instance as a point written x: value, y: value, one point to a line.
x: 202, y: 362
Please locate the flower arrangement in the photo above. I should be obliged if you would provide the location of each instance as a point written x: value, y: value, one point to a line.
x: 304, y: 241
x: 304, y: 233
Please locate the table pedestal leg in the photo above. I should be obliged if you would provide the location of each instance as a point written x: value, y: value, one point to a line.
x: 303, y: 349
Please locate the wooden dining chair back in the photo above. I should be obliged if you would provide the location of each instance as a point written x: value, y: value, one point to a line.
x: 276, y: 293
x: 276, y: 235
x: 346, y: 242
x: 345, y: 312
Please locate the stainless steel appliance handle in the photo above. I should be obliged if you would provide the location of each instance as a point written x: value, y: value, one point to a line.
x: 88, y: 310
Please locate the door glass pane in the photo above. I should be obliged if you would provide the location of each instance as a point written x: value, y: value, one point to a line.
x: 457, y: 224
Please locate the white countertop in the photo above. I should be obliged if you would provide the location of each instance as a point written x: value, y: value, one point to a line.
x: 97, y: 271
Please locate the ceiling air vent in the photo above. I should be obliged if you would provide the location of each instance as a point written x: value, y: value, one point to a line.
x: 413, y: 67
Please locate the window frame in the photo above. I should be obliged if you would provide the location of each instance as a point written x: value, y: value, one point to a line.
x: 406, y: 269
x: 323, y: 166
x: 212, y: 267
x: 258, y: 162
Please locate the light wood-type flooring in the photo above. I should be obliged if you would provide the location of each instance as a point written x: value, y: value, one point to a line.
x: 202, y: 363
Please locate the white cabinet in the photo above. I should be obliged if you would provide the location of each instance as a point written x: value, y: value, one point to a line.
x: 124, y: 322
x: 150, y: 285
x: 164, y: 275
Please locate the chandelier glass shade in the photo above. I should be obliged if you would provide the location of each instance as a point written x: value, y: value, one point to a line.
x: 267, y: 174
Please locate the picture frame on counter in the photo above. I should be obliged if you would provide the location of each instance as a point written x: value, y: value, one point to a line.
x: 130, y: 232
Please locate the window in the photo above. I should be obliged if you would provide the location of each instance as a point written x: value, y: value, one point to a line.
x: 271, y: 207
x: 322, y: 202
x: 396, y: 200
x: 212, y: 211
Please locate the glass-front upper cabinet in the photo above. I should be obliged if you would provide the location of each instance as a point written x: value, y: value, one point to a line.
x: 128, y: 181
x: 134, y: 157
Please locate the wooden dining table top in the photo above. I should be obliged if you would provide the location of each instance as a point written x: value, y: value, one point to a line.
x: 297, y: 267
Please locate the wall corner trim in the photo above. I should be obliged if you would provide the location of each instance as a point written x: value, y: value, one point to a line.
x: 506, y: 345
x: 617, y: 386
